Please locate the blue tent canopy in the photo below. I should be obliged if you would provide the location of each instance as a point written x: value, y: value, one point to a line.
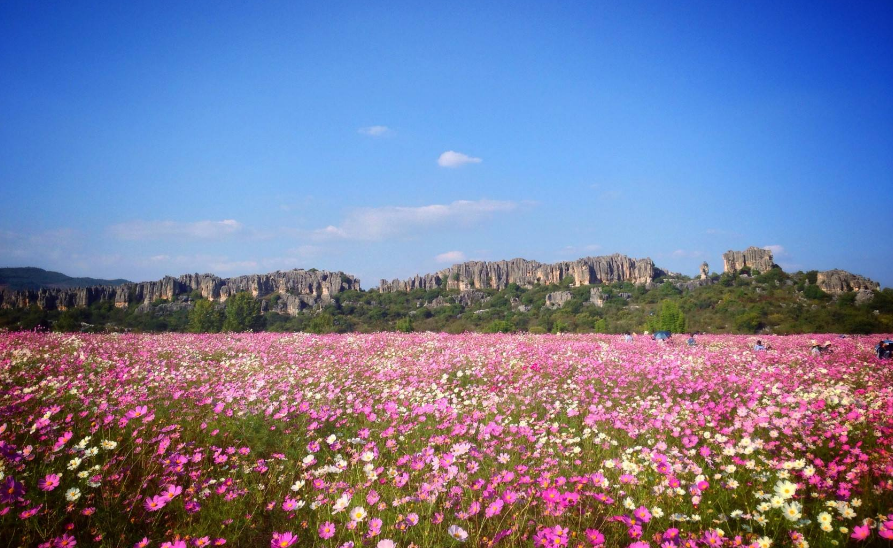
x: 661, y: 335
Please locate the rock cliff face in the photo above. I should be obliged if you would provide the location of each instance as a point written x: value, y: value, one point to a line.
x: 841, y: 281
x: 752, y: 257
x: 498, y: 274
x: 298, y: 289
x: 558, y: 299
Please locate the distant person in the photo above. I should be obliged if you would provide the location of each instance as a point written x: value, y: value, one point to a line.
x: 815, y: 349
x: 628, y: 337
x: 759, y: 346
x: 884, y: 350
x: 691, y: 340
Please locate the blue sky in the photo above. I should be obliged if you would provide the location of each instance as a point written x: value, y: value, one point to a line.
x: 139, y: 139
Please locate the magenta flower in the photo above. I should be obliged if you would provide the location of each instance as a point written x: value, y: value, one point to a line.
x: 595, y: 537
x: 153, y: 504
x: 11, y: 490
x: 139, y: 411
x: 290, y: 504
x: 861, y: 532
x: 142, y: 544
x: 327, y: 530
x: 494, y: 508
x: 49, y: 482
x: 283, y: 540
x: 171, y: 491
x: 65, y: 541
x: 642, y: 514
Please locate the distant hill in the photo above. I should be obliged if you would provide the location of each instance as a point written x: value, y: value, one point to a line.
x: 29, y: 277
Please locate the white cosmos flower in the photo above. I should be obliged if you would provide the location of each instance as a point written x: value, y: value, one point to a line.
x: 358, y: 514
x: 72, y: 494
x: 785, y: 489
x: 792, y: 511
x: 457, y: 533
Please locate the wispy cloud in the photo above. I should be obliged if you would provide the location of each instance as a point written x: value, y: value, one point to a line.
x: 577, y: 251
x: 160, y: 230
x: 382, y: 223
x: 450, y: 257
x: 777, y: 250
x: 687, y: 254
x: 722, y: 232
x: 375, y: 131
x: 452, y: 158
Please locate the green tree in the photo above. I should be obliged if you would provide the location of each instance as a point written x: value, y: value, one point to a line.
x: 601, y: 326
x: 404, y: 325
x: 322, y: 323
x: 205, y: 317
x: 242, y: 313
x: 499, y: 326
x: 669, y: 319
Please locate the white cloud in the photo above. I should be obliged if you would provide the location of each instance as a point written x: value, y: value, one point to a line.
x: 375, y: 131
x: 159, y: 230
x: 687, y: 254
x: 382, y: 223
x: 450, y: 257
x: 231, y: 266
x: 578, y: 250
x: 452, y: 158
x: 777, y: 250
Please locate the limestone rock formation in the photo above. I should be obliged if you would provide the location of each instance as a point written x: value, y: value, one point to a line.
x: 298, y: 289
x: 840, y: 281
x: 498, y: 274
x: 752, y: 257
x: 596, y: 297
x: 558, y: 299
x: 705, y: 271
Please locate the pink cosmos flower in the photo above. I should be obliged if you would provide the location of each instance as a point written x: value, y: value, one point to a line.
x: 595, y: 537
x: 139, y: 411
x: 494, y: 508
x: 142, y: 544
x: 49, y: 482
x: 290, y: 504
x: 153, y: 504
x: 861, y: 532
x: 171, y: 491
x: 30, y: 512
x: 642, y: 514
x: 283, y: 540
x: 327, y: 530
x: 65, y: 541
x: 386, y: 543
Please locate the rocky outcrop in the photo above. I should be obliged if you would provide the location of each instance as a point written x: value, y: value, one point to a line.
x: 840, y: 281
x: 297, y: 289
x: 499, y: 274
x: 752, y: 257
x: 596, y: 297
x: 558, y: 299
x: 705, y: 271
x: 465, y: 298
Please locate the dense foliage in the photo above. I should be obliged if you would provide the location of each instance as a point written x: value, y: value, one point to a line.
x: 771, y: 302
x: 419, y: 440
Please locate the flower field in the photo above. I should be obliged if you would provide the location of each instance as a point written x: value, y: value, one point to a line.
x: 424, y: 440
